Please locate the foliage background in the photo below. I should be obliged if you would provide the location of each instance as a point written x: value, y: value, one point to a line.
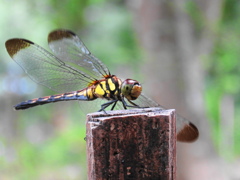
x: 48, y: 142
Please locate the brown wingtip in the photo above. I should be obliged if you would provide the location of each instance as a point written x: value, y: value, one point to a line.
x: 188, y: 133
x: 13, y: 46
x: 59, y: 34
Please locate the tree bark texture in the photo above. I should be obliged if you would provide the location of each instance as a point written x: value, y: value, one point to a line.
x: 132, y: 144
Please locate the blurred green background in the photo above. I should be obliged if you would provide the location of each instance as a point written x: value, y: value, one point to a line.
x: 186, y: 53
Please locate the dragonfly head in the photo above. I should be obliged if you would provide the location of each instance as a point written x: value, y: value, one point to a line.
x: 131, y: 89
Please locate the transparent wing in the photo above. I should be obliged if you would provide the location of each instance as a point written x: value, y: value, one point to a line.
x: 186, y: 131
x: 69, y: 48
x: 46, y: 69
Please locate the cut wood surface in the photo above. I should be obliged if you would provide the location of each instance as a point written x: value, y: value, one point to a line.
x: 131, y: 144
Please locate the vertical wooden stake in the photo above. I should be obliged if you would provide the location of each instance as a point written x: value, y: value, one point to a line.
x: 132, y: 144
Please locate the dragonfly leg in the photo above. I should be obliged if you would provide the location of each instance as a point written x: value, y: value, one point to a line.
x: 105, y: 105
x: 114, y: 105
x: 125, y: 105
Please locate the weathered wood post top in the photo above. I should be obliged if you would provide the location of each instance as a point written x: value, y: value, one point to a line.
x: 132, y: 144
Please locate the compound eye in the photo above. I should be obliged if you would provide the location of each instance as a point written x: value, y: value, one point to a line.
x: 131, y: 89
x: 126, y: 89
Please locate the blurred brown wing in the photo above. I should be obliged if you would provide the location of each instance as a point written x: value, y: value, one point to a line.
x: 186, y: 131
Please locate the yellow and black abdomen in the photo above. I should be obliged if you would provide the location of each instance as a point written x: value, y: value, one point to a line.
x: 108, y: 88
x: 81, y: 95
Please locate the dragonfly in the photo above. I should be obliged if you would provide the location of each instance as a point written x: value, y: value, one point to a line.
x: 75, y: 72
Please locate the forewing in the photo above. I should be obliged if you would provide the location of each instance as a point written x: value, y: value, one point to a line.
x: 69, y: 48
x: 44, y: 68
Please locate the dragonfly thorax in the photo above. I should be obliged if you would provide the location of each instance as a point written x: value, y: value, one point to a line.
x: 108, y: 88
x: 131, y: 89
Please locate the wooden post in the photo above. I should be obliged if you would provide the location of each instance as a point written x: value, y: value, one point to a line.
x: 132, y: 144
